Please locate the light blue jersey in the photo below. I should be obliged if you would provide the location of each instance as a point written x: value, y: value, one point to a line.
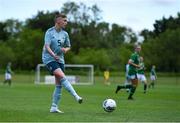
x: 56, y: 41
x: 127, y: 69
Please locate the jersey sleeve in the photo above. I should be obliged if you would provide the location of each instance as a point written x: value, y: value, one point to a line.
x: 67, y: 41
x: 47, y: 38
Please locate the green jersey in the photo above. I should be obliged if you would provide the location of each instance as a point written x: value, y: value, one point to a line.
x: 142, y: 68
x: 135, y: 59
x: 153, y: 72
x: 8, y: 69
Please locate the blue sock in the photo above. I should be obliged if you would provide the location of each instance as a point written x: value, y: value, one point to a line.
x: 67, y: 85
x: 56, y: 95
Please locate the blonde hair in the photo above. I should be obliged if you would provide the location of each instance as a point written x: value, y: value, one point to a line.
x: 61, y: 15
x: 137, y: 46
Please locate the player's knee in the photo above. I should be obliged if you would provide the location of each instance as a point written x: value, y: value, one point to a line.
x: 59, y: 74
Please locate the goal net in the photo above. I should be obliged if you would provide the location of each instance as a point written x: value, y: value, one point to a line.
x: 76, y: 74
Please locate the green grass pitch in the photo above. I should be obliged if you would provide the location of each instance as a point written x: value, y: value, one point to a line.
x: 26, y: 102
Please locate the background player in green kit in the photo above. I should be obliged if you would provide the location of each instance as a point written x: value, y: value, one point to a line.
x: 141, y: 74
x: 132, y: 73
x: 56, y: 44
x: 153, y: 76
x: 8, y: 75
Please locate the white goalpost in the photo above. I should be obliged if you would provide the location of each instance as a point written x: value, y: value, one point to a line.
x: 78, y: 74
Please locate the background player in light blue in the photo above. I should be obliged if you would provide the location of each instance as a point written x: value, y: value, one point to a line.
x: 128, y: 80
x: 56, y: 44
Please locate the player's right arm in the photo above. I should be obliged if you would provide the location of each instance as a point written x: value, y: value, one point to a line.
x: 131, y: 62
x: 47, y: 45
x: 51, y: 52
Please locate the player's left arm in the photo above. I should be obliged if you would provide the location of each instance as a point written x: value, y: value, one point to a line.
x: 65, y: 50
x: 131, y: 62
x: 67, y: 44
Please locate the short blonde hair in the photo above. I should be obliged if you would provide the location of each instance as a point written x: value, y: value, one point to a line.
x: 61, y: 15
x: 137, y: 46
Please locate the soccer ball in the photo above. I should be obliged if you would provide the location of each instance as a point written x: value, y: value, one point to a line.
x: 109, y: 105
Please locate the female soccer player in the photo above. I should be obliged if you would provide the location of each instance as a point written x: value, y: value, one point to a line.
x: 141, y: 74
x: 8, y: 73
x: 56, y: 44
x: 153, y: 76
x: 132, y: 73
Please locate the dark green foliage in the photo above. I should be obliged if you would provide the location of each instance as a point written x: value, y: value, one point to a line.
x: 41, y: 21
x: 171, y: 23
x: 3, y: 33
x: 161, y: 47
x: 164, y: 51
x: 93, y: 41
x: 7, y: 55
x: 29, y: 49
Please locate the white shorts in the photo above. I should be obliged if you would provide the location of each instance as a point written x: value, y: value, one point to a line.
x: 7, y: 76
x: 141, y: 77
x: 153, y: 78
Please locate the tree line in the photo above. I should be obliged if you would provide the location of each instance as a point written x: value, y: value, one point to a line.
x: 93, y: 41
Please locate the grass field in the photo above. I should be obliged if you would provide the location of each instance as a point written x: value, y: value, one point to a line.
x: 26, y: 102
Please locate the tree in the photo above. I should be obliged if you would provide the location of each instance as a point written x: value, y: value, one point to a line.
x: 28, y: 49
x: 13, y: 27
x: 92, y: 40
x: 41, y: 21
x: 116, y: 35
x: 161, y: 46
x: 146, y: 34
x: 9, y: 29
x: 96, y: 13
x: 99, y: 58
x: 3, y: 32
x: 171, y: 23
x: 7, y: 54
x: 80, y: 13
x: 163, y: 51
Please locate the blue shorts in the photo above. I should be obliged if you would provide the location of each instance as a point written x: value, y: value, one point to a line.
x: 52, y: 66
